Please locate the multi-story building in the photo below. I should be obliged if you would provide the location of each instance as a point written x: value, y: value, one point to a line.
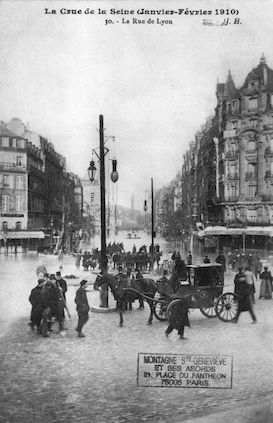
x: 244, y: 158
x: 35, y: 186
x: 21, y: 191
x: 13, y: 180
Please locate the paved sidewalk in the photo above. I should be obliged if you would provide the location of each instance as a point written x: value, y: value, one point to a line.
x: 67, y: 379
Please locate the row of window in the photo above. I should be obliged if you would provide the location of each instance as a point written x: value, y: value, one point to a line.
x: 13, y: 181
x: 5, y: 226
x: 251, y: 168
x: 251, y: 215
x: 19, y: 203
x: 7, y: 164
x: 233, y: 191
x: 12, y: 142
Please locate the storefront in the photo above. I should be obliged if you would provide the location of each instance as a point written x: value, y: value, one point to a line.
x: 215, y: 238
x: 20, y: 241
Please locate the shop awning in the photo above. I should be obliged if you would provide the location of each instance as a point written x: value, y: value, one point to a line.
x: 22, y: 235
x: 222, y: 230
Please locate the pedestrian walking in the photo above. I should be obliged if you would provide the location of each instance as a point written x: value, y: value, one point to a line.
x: 243, y: 290
x: 82, y: 307
x: 266, y: 284
x: 78, y: 260
x: 35, y: 300
x: 250, y: 279
x: 179, y: 317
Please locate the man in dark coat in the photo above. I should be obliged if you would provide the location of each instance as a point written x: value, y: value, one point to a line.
x: 82, y: 307
x: 179, y: 317
x: 140, y: 276
x: 243, y: 290
x: 35, y: 300
x: 61, y: 283
x: 121, y: 283
x: 221, y: 260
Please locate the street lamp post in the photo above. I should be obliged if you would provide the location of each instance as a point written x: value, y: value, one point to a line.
x: 152, y: 220
x: 114, y: 177
x: 51, y: 233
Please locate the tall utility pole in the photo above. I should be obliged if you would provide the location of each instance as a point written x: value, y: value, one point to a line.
x: 104, y: 288
x: 152, y: 217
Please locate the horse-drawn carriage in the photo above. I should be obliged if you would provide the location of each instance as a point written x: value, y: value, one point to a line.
x: 204, y: 284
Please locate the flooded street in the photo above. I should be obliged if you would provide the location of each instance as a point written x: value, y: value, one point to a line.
x: 18, y: 275
x: 102, y: 367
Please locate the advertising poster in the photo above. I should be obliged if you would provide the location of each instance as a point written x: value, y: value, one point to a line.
x: 136, y: 210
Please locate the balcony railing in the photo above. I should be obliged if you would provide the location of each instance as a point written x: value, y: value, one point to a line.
x: 230, y: 154
x: 12, y: 166
x: 251, y: 176
x: 232, y: 198
x: 268, y: 174
x: 233, y: 176
x: 268, y: 151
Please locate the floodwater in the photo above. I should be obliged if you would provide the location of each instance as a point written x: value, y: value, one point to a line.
x: 18, y: 274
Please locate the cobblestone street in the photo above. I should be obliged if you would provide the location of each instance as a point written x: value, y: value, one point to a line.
x: 67, y: 379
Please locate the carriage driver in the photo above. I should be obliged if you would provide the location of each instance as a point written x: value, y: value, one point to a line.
x: 122, y: 279
x: 122, y: 282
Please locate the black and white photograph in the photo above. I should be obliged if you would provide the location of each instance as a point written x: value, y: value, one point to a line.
x: 136, y: 211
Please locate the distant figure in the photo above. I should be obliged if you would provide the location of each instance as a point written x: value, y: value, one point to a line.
x: 221, y: 260
x: 41, y: 269
x: 206, y: 259
x: 266, y: 284
x: 82, y: 307
x: 189, y: 258
x: 78, y: 260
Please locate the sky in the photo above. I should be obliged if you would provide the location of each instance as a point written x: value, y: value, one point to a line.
x: 154, y: 84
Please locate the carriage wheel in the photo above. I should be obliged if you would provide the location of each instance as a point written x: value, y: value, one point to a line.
x: 227, y: 307
x: 209, y: 312
x: 160, y: 311
x: 170, y: 306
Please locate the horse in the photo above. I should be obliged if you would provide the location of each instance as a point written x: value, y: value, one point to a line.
x: 145, y: 286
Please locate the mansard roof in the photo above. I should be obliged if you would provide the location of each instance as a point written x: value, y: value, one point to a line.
x: 5, y: 132
x: 262, y: 73
x: 230, y: 89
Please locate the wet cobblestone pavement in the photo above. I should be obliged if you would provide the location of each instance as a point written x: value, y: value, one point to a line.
x: 67, y: 379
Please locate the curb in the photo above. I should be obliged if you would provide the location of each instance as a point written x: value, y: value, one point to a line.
x: 102, y: 310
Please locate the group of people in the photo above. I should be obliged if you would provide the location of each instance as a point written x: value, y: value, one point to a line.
x: 244, y: 282
x: 48, y: 301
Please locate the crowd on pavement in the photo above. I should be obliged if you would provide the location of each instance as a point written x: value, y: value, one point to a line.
x: 48, y: 301
x: 48, y: 298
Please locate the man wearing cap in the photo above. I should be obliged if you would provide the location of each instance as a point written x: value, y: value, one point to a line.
x: 82, y: 307
x: 61, y: 284
x: 35, y: 300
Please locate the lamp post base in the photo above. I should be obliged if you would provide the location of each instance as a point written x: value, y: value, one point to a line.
x: 104, y: 296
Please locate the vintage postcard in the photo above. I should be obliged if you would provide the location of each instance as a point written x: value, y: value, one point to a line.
x: 136, y: 211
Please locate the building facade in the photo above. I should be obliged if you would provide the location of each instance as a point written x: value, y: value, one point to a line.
x: 227, y: 172
x: 37, y: 193
x: 13, y: 181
